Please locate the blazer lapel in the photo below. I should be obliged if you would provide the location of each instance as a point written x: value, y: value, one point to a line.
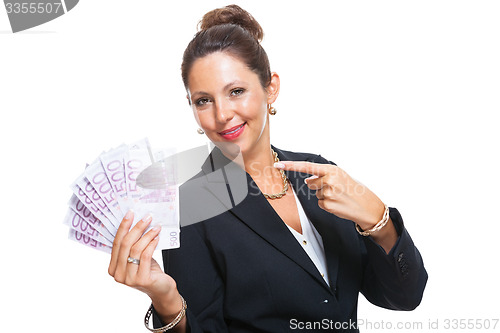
x: 225, y: 179
x: 321, y: 219
x: 256, y: 212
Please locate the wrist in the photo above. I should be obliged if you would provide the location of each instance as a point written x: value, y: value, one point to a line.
x: 167, y: 305
x: 177, y: 324
x: 373, y: 213
x: 373, y: 228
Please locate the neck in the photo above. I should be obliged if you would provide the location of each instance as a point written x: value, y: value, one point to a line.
x: 259, y: 164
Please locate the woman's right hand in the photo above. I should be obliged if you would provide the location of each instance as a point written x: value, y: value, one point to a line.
x: 147, y: 276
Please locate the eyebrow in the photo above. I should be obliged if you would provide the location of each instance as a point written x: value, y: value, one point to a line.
x: 236, y: 82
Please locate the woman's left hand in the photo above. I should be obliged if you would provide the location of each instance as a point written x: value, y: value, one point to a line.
x: 339, y: 194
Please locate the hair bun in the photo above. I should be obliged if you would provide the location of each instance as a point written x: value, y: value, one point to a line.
x: 232, y: 14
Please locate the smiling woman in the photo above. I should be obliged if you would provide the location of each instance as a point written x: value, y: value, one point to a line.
x: 229, y: 101
x: 299, y: 248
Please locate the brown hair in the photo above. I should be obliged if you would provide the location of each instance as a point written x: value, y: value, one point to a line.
x: 229, y: 29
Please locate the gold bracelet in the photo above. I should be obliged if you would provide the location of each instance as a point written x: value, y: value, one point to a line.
x: 377, y: 226
x: 170, y: 325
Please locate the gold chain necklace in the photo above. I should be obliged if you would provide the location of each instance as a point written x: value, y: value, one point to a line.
x: 283, y: 177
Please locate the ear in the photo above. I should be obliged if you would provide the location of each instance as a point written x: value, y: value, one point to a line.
x: 273, y: 89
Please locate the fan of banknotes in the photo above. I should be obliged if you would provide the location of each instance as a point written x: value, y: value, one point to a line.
x: 108, y: 188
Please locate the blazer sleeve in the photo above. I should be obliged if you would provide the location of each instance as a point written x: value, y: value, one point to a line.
x: 198, y: 281
x: 395, y: 280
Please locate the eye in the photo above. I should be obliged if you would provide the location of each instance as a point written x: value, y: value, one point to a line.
x: 202, y: 101
x: 237, y: 91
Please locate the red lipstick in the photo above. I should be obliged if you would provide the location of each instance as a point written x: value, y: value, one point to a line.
x: 233, y: 132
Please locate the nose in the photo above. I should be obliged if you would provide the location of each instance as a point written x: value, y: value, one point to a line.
x: 223, y: 111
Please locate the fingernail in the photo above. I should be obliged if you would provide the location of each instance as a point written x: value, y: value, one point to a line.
x: 129, y: 214
x: 147, y: 218
x: 157, y: 227
x: 279, y: 165
x: 310, y: 178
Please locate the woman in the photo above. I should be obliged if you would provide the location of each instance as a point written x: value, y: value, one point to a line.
x: 296, y: 252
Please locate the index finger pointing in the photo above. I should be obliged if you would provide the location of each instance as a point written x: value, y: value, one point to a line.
x: 305, y: 167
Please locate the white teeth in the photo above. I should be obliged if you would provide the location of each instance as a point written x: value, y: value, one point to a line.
x: 234, y: 130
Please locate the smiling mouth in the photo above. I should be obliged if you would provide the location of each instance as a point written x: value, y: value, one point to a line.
x: 232, y: 130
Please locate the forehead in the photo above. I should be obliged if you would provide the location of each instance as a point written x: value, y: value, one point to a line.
x: 214, y: 71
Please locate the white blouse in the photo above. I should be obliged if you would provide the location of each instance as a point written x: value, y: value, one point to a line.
x: 310, y: 240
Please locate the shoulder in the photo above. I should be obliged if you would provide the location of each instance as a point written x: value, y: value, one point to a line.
x: 287, y: 155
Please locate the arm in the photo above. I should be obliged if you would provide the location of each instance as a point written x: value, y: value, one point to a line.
x: 339, y: 194
x: 145, y: 274
x: 394, y: 280
x: 394, y: 276
x: 165, y: 310
x: 387, y: 236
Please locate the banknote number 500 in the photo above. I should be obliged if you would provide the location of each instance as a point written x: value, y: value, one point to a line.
x: 174, y: 239
x: 32, y: 7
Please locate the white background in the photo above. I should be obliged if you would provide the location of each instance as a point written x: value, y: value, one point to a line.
x: 401, y: 94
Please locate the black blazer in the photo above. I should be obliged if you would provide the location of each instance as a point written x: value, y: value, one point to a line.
x: 243, y: 271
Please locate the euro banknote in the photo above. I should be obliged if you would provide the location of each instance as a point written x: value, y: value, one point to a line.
x: 107, y: 189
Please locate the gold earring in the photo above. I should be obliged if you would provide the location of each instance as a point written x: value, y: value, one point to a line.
x: 200, y: 131
x: 271, y: 110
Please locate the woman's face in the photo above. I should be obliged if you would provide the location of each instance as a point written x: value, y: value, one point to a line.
x: 229, y: 101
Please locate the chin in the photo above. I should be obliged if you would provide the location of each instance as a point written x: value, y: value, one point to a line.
x: 230, y: 148
x: 241, y: 145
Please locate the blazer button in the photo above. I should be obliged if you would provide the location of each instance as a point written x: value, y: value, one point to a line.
x: 403, y: 265
x: 304, y: 242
